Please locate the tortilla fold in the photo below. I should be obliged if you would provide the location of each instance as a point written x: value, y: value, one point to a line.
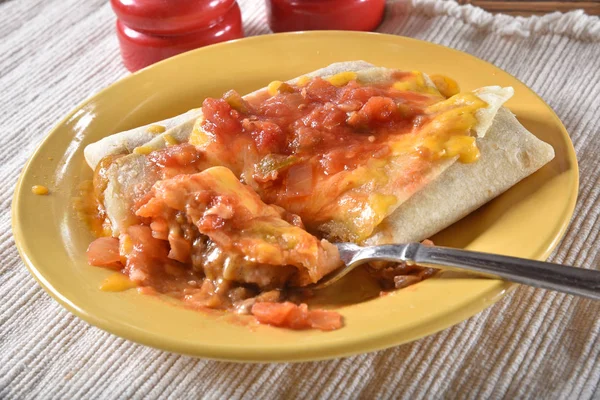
x: 509, y: 153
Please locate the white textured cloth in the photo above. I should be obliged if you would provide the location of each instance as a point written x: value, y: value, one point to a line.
x: 532, y: 344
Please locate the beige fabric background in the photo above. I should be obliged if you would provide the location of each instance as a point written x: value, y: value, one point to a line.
x: 532, y: 344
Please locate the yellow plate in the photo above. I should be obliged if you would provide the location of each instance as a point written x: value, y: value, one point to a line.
x: 526, y: 221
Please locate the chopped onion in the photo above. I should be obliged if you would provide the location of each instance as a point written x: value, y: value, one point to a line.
x: 299, y: 180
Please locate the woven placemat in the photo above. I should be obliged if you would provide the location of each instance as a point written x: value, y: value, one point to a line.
x: 532, y: 344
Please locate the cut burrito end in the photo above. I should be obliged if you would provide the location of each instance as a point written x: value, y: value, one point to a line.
x: 209, y: 239
x: 214, y: 203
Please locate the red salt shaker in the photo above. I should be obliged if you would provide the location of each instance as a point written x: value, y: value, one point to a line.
x: 305, y: 15
x: 152, y: 30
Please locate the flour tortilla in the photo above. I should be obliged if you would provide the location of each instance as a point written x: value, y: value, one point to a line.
x: 457, y: 190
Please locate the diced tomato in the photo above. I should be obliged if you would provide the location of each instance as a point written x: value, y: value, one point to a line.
x: 319, y: 90
x: 272, y: 313
x: 143, y: 242
x: 328, y: 117
x: 290, y: 315
x: 146, y: 256
x: 325, y: 320
x: 305, y: 139
x: 177, y: 160
x: 268, y: 137
x: 380, y: 109
x: 160, y: 228
x: 376, y: 110
x: 354, y: 92
x: 104, y: 252
x: 176, y: 156
x: 281, y: 107
x: 222, y: 120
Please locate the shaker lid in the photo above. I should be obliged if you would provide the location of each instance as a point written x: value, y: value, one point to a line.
x: 170, y: 17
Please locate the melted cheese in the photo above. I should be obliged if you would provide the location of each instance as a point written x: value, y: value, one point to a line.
x: 116, y: 282
x: 447, y: 86
x: 341, y: 78
x: 199, y: 137
x: 273, y: 87
x: 170, y: 140
x: 302, y: 81
x: 156, y: 129
x: 39, y: 190
x: 142, y: 150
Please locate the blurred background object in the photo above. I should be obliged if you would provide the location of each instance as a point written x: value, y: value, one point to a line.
x: 152, y: 30
x: 308, y: 15
x: 539, y: 7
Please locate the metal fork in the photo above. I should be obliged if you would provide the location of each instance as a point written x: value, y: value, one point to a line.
x: 545, y: 275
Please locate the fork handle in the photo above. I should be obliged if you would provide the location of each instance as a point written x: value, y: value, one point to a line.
x: 545, y: 275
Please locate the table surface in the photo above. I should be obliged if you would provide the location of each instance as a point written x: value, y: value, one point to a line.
x: 531, y: 344
x: 538, y: 7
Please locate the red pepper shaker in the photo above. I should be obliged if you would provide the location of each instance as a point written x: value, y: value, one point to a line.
x: 152, y: 30
x: 304, y: 15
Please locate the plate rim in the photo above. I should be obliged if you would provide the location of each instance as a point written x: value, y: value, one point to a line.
x: 229, y: 353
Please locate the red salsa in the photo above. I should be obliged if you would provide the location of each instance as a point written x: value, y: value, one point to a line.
x: 332, y: 128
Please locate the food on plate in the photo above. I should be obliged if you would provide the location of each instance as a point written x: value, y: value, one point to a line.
x: 295, y: 316
x: 250, y: 235
x: 230, y: 205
